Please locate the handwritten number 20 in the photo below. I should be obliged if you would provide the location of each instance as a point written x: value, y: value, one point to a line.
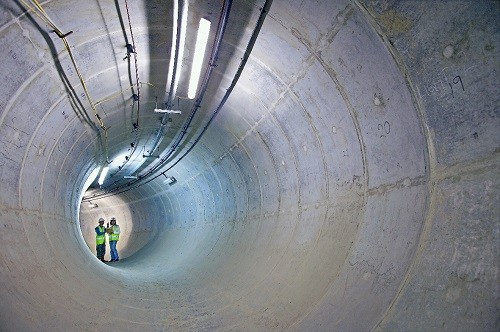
x: 385, y: 128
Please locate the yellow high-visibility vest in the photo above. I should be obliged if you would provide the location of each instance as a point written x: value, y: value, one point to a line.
x: 115, y: 235
x: 100, y: 239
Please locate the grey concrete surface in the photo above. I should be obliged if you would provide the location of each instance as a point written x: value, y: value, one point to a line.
x: 350, y: 182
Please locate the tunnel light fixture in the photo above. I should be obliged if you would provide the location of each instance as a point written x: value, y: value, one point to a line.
x: 182, y: 42
x: 199, y: 54
x: 157, y: 110
x: 104, y: 172
x: 174, y: 42
x: 130, y: 177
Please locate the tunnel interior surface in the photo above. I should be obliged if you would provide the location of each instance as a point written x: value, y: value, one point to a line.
x: 337, y: 170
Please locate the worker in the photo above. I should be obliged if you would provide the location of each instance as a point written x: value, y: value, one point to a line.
x: 100, y: 240
x: 114, y: 236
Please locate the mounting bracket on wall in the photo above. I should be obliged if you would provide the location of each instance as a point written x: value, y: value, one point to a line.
x: 169, y: 179
x: 61, y: 35
x: 130, y: 50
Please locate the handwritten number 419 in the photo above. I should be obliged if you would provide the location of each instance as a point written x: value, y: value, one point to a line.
x: 456, y: 80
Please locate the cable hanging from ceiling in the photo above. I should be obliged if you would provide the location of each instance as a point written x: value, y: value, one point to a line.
x: 119, y: 93
x: 212, y: 64
x: 180, y: 13
x: 265, y: 9
x: 248, y: 50
x: 132, y: 50
x: 251, y: 43
x: 40, y: 12
x: 134, y: 143
x: 132, y: 149
x: 206, y: 78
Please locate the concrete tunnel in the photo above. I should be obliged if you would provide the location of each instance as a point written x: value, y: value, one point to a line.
x: 348, y: 183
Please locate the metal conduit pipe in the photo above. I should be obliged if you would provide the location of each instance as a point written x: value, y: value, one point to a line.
x: 350, y: 182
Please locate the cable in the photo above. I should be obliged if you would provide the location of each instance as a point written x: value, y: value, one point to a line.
x: 136, y: 67
x: 212, y: 64
x: 251, y: 43
x: 265, y: 9
x: 116, y: 95
x: 134, y: 143
x: 40, y: 12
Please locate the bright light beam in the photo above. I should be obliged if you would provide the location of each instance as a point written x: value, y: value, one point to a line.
x: 199, y: 54
x: 174, y: 43
x: 157, y: 110
x: 182, y: 42
x: 104, y: 172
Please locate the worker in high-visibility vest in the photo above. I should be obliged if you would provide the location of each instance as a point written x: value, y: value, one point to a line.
x: 100, y: 240
x: 114, y: 236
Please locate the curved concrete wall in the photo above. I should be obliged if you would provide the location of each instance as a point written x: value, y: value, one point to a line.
x: 349, y: 183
